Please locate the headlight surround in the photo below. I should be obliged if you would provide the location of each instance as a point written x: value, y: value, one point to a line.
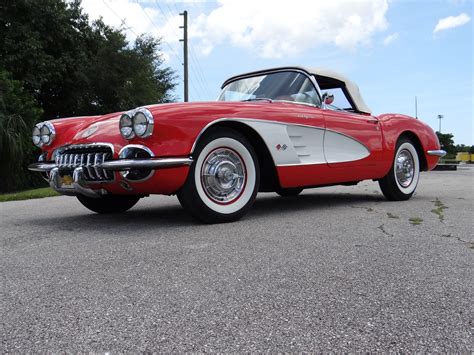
x: 136, y: 123
x: 126, y: 126
x: 36, y: 136
x: 43, y: 134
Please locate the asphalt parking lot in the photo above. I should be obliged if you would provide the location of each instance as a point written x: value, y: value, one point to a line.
x: 336, y: 268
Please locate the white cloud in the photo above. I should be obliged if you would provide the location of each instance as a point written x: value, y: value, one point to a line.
x: 270, y: 28
x: 277, y: 28
x: 136, y: 18
x: 451, y: 22
x: 390, y: 38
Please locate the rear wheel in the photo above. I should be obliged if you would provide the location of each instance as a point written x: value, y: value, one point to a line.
x: 223, y: 180
x: 401, y: 181
x: 108, y: 204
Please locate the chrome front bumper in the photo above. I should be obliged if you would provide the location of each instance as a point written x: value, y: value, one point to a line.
x: 439, y: 153
x: 80, y: 186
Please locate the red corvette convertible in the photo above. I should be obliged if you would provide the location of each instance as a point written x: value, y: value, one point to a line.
x: 283, y: 130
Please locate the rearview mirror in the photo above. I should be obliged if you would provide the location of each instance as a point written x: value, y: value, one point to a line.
x: 328, y: 99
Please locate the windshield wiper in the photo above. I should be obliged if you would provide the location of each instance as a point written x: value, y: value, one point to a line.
x: 258, y: 99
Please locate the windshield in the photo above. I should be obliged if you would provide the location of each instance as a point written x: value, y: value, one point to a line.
x: 280, y: 86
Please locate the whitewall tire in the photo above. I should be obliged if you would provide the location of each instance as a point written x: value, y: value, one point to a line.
x: 224, y: 178
x: 402, y: 179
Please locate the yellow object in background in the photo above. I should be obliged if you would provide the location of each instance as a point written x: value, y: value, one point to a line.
x: 464, y: 156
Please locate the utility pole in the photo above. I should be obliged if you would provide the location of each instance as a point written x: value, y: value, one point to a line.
x: 416, y: 107
x: 439, y: 118
x: 185, y: 53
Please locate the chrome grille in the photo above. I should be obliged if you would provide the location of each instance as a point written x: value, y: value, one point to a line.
x: 89, y: 157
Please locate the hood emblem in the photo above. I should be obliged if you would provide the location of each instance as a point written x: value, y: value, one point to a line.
x: 90, y: 131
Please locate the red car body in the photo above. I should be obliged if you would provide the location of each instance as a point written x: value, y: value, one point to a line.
x: 178, y: 127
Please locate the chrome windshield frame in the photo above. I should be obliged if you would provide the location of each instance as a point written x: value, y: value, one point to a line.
x: 311, y: 78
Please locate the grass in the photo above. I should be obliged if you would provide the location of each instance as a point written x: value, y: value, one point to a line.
x: 416, y: 220
x: 440, y: 207
x: 28, y: 194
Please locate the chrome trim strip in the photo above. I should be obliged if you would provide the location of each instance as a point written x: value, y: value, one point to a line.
x: 439, y: 152
x: 139, y: 146
x: 42, y: 167
x: 310, y: 76
x: 86, y: 145
x: 154, y: 163
x: 240, y: 119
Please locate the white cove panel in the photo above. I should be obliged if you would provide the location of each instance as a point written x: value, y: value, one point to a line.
x: 339, y: 148
x: 298, y: 144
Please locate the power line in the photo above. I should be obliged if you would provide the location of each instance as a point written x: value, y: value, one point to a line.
x: 201, y: 76
x: 156, y: 28
x: 122, y: 20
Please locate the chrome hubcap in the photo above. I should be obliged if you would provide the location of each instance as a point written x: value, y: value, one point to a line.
x: 405, y: 168
x: 223, y: 175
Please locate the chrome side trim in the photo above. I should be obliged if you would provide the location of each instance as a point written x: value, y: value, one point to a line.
x: 438, y: 152
x: 156, y: 163
x: 42, y: 166
x: 243, y: 120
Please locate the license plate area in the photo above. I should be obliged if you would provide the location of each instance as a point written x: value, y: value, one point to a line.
x: 66, y: 181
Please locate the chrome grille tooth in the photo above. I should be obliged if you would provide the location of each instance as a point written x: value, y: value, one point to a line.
x: 96, y: 165
x: 104, y: 172
x: 88, y: 166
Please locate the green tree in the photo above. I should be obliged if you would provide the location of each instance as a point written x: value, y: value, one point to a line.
x: 447, y: 143
x: 61, y: 65
x: 18, y: 114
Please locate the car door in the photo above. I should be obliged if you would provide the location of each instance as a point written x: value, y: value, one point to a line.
x: 353, y: 140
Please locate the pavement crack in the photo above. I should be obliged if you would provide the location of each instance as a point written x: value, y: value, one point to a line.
x: 368, y: 209
x: 469, y: 244
x: 382, y: 228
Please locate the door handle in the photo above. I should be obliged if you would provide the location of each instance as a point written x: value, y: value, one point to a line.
x: 373, y: 121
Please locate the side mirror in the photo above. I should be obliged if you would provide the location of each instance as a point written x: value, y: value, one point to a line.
x: 328, y: 99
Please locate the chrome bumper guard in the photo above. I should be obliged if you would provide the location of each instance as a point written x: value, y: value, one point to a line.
x: 439, y: 153
x: 80, y: 186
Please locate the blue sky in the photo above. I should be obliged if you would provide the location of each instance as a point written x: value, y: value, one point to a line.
x: 389, y: 48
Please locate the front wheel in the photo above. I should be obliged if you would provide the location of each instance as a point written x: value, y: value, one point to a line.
x: 108, y: 203
x: 223, y: 180
x: 401, y: 181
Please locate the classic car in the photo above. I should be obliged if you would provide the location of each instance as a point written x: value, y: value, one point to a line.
x: 277, y: 130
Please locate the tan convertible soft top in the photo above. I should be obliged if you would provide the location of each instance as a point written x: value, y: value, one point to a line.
x: 327, y: 79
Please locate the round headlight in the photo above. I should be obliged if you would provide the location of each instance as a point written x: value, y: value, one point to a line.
x: 126, y: 127
x: 143, y: 123
x: 47, y: 133
x: 37, y: 136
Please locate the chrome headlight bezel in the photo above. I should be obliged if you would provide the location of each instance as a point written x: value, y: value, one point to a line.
x: 136, y: 123
x: 36, y: 135
x: 126, y: 126
x: 43, y: 134
x: 143, y: 117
